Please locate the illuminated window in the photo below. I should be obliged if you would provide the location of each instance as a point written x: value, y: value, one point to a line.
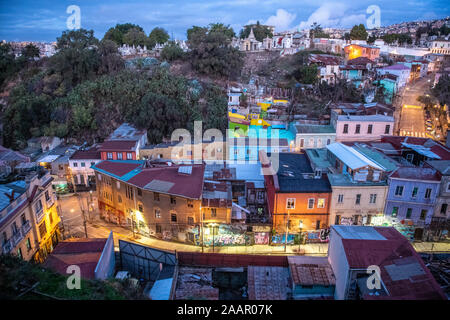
x: 321, y: 203
x: 157, y: 213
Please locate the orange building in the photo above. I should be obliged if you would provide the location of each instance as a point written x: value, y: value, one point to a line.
x: 354, y: 51
x: 298, y: 198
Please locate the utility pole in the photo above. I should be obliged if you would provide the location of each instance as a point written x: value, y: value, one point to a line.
x: 201, y: 227
x: 84, y: 222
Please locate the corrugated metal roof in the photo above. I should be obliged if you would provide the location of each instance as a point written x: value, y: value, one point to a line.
x: 351, y: 157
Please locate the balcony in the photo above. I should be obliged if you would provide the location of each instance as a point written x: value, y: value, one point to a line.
x: 26, y: 227
x: 7, y: 247
x: 17, y: 237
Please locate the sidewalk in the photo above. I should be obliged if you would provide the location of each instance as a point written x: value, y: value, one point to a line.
x: 100, y: 228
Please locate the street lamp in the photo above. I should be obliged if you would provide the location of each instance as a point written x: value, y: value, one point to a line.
x: 287, y: 231
x: 300, y: 238
x: 213, y: 226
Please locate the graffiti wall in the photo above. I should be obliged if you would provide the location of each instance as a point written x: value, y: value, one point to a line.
x: 262, y: 237
x: 280, y: 239
x: 318, y: 236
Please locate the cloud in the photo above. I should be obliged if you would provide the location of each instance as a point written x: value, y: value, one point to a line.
x: 332, y: 14
x: 282, y: 20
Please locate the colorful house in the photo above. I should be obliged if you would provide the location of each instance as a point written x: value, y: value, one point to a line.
x: 354, y: 51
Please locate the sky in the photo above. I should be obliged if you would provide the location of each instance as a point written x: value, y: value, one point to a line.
x: 45, y: 20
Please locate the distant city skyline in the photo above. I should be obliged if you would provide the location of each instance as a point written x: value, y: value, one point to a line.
x: 45, y: 20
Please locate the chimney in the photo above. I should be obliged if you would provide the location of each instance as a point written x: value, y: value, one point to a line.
x: 447, y: 140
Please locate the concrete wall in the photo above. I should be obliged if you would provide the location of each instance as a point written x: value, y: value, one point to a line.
x: 378, y: 129
x: 107, y: 262
x: 339, y: 264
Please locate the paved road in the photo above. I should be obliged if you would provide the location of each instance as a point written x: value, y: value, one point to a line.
x: 412, y: 121
x: 97, y: 228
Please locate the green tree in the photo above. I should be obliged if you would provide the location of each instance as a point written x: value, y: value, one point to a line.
x: 158, y: 36
x: 172, y: 51
x: 211, y: 54
x: 221, y: 28
x: 110, y: 59
x: 306, y: 74
x: 8, y: 64
x: 358, y: 32
x: 316, y: 31
x: 136, y: 37
x: 260, y: 31
x: 117, y: 33
x: 30, y: 51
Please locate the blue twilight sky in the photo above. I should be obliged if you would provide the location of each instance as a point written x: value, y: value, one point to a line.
x: 44, y: 20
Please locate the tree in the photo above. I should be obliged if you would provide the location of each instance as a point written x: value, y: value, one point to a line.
x: 260, y: 31
x: 371, y: 39
x: 76, y: 39
x: 306, y: 74
x: 110, y: 59
x: 8, y: 65
x: 441, y: 90
x: 158, y: 36
x: 211, y: 53
x: 30, y: 51
x: 136, y: 37
x: 117, y: 33
x: 172, y: 51
x: 358, y: 32
x: 316, y: 31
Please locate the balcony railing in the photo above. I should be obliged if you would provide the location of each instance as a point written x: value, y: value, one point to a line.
x: 7, y: 247
x: 17, y: 237
x: 26, y: 227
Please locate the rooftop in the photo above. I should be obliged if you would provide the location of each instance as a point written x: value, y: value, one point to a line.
x: 118, y: 145
x: 296, y: 175
x: 360, y: 61
x: 90, y: 154
x: 126, y: 132
x: 416, y: 173
x: 311, y: 271
x: 352, y: 157
x: 267, y: 283
x: 398, y: 66
x: 314, y: 129
x: 403, y: 272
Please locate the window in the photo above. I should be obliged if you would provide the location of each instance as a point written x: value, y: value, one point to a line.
x: 129, y: 156
x: 340, y: 198
x: 140, y: 207
x: 129, y: 192
x: 408, y: 213
x: 119, y: 156
x: 311, y: 203
x: 109, y: 156
x: 19, y: 253
x: 47, y: 195
x: 414, y: 192
x: 158, y: 228
x: 399, y: 191
x: 302, y: 144
x: 173, y: 217
x: 118, y: 185
x: 190, y: 220
x: 369, y: 129
x: 358, y: 129
x: 345, y: 128
x: 317, y: 224
x: 318, y: 173
x: 394, y: 211
x: 373, y: 198
x: 173, y: 200
x: 23, y: 218
x: 423, y: 214
x: 428, y: 193
x: 28, y: 244
x: 38, y: 206
x: 157, y: 213
x: 83, y: 164
x: 75, y: 164
x: 337, y: 220
x: 443, y: 208
x: 156, y: 196
x: 119, y: 199
x: 358, y: 198
x: 290, y: 203
x: 213, y: 212
x: 42, y: 230
x: 50, y: 216
x: 139, y: 192
x: 321, y: 203
x: 387, y: 129
x: 448, y: 187
x: 190, y: 203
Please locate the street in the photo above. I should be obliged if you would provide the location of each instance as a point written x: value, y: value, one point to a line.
x: 71, y: 207
x: 412, y: 120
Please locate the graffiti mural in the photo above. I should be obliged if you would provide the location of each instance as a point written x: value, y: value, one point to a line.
x: 280, y: 239
x: 316, y: 236
x: 261, y: 237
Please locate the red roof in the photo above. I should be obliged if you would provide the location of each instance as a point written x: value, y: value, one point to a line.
x: 442, y: 151
x: 85, y: 253
x: 169, y: 180
x: 419, y: 173
x: 118, y: 168
x: 360, y: 61
x: 119, y: 145
x: 393, y: 252
x: 90, y: 154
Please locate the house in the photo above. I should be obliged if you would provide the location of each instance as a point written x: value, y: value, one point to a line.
x: 362, y: 61
x: 80, y: 167
x: 298, y: 198
x: 354, y: 51
x: 411, y: 197
x: 441, y: 46
x: 358, y: 178
x: 94, y: 256
x: 328, y: 67
x: 311, y: 278
x: 247, y: 148
x: 124, y: 143
x: 361, y: 122
x: 9, y: 159
x: 400, y: 70
x: 161, y: 199
x: 309, y: 136
x: 378, y: 263
x: 28, y: 216
x: 44, y: 143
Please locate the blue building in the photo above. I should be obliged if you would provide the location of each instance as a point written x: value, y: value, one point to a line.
x: 412, y: 195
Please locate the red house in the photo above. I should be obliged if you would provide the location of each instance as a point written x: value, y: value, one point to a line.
x: 119, y: 150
